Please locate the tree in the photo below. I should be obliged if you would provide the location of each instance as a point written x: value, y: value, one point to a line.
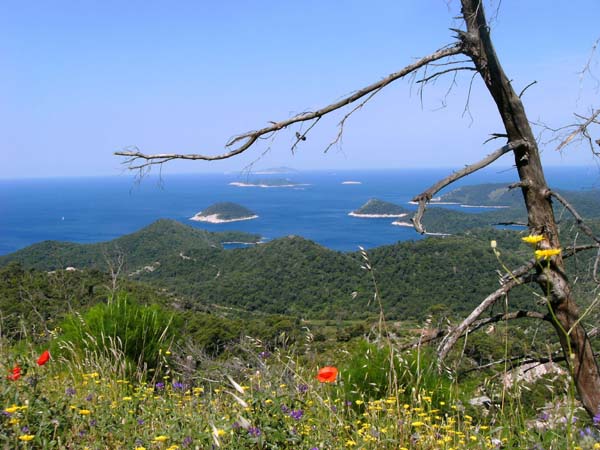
x: 474, y: 42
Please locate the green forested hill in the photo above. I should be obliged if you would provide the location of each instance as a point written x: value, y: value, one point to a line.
x: 144, y: 247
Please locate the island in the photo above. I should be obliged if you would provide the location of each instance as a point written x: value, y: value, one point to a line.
x: 268, y: 183
x: 351, y: 182
x: 224, y: 212
x: 375, y: 208
x: 496, y: 195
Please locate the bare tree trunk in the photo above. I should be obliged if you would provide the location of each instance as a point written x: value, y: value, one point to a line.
x: 551, y: 276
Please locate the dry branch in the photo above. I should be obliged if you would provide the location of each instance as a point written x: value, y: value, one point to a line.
x: 517, y: 277
x: 581, y: 129
x: 246, y: 140
x: 427, y: 195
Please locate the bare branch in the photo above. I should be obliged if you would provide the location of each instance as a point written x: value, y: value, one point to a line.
x: 426, y: 196
x: 579, y: 220
x: 580, y: 129
x: 517, y: 277
x: 527, y: 87
x: 442, y: 72
x: 246, y: 140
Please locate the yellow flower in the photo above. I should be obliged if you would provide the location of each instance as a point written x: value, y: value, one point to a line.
x: 12, y: 409
x: 533, y: 238
x: 418, y: 424
x: 26, y: 437
x: 547, y: 254
x: 126, y: 399
x: 173, y: 447
x: 85, y: 412
x: 161, y: 438
x: 140, y: 448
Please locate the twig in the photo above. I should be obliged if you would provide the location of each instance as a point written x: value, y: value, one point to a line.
x: 581, y: 129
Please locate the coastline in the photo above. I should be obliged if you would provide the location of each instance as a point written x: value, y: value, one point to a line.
x: 214, y: 218
x: 377, y: 216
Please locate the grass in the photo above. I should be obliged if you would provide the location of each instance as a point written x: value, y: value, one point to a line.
x: 258, y: 399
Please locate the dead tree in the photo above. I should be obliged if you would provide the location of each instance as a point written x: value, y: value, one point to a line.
x: 474, y: 43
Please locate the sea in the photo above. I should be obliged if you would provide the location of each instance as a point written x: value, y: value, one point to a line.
x: 95, y: 209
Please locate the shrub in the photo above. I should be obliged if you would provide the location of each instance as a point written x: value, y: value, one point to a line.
x: 139, y: 332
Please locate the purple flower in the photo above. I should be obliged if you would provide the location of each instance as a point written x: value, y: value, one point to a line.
x: 159, y: 386
x: 90, y: 397
x: 93, y: 422
x: 597, y: 418
x: 296, y: 414
x: 70, y: 391
x: 264, y: 355
x: 303, y: 388
x: 187, y: 442
x: 254, y: 431
x: 178, y: 385
x: 140, y: 421
x: 285, y: 409
x: 25, y: 429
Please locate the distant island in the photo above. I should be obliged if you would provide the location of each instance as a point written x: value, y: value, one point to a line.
x: 268, y: 183
x: 224, y: 212
x: 275, y: 170
x: 375, y: 208
x: 351, y: 182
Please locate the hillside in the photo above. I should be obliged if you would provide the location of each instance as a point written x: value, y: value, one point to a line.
x: 146, y: 246
x: 291, y: 275
x: 379, y: 208
x: 224, y: 212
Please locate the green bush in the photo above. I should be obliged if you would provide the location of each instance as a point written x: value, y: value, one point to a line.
x: 368, y: 374
x: 138, y: 332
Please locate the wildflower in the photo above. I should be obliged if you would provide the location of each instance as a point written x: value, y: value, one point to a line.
x: 161, y: 438
x: 70, y: 391
x: 85, y: 412
x: 254, y: 431
x: 418, y: 424
x: 596, y: 418
x: 533, y: 238
x: 547, y: 254
x: 15, y: 374
x: 44, y: 358
x: 303, y: 388
x: 187, y: 441
x: 327, y: 374
x: 26, y: 437
x: 296, y: 414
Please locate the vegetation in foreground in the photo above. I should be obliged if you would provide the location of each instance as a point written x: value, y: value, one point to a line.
x: 101, y: 390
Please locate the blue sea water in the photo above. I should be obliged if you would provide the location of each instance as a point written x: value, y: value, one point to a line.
x: 95, y: 209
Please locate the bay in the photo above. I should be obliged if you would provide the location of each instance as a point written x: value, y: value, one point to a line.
x: 94, y: 209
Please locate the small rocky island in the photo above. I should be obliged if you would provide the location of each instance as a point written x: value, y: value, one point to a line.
x: 375, y: 208
x: 267, y: 183
x: 224, y: 212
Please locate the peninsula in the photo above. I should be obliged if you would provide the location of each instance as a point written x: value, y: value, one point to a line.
x: 224, y: 212
x: 375, y: 208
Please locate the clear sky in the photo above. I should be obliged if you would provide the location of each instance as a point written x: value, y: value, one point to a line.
x: 82, y: 79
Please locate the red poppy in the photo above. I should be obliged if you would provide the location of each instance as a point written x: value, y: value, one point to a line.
x: 44, y: 358
x: 15, y: 374
x: 327, y: 374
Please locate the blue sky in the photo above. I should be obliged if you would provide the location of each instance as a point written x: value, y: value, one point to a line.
x: 80, y: 80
